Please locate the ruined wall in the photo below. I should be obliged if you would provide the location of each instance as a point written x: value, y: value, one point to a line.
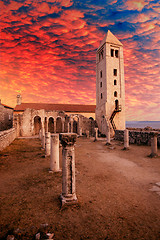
x: 137, y: 137
x: 7, y: 137
x: 6, y: 118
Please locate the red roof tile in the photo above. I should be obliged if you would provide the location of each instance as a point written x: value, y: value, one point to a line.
x: 54, y: 107
x: 4, y: 105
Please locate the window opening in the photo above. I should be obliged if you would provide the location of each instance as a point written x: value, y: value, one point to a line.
x: 101, y: 96
x: 115, y: 94
x: 101, y: 74
x: 112, y: 52
x: 115, y: 82
x: 116, y: 53
x: 100, y: 84
x: 115, y: 72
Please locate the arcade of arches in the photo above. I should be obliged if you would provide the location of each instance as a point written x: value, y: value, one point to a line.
x: 31, y: 121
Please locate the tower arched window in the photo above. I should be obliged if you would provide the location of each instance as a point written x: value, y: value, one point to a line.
x: 115, y: 94
x: 101, y: 96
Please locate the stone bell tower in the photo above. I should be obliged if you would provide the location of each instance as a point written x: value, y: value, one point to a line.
x: 110, y: 86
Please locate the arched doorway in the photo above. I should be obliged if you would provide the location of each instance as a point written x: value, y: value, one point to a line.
x: 75, y: 126
x: 116, y: 104
x: 58, y: 125
x: 37, y: 125
x: 51, y: 125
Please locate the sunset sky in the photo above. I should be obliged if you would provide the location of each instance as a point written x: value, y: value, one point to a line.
x: 48, y: 50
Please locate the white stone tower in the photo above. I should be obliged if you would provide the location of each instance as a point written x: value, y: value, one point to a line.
x: 110, y: 86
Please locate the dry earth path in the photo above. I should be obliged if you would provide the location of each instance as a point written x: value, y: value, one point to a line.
x: 118, y: 192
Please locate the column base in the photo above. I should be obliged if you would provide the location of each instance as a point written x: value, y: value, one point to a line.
x: 108, y: 144
x: 153, y: 155
x: 68, y: 200
x: 125, y: 148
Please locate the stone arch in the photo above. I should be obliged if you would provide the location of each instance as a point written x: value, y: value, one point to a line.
x: 51, y: 125
x: 37, y: 124
x: 58, y: 125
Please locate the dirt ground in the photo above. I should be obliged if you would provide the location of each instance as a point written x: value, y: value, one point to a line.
x: 118, y: 192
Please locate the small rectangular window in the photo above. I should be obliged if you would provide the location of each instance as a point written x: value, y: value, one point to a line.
x: 116, y: 53
x: 115, y: 82
x: 101, y: 96
x: 112, y: 52
x: 100, y: 84
x: 115, y: 72
x: 101, y: 74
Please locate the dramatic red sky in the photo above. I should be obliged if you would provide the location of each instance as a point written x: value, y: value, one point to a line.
x: 48, y: 49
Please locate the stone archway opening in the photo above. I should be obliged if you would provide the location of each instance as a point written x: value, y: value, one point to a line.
x: 37, y: 125
x: 51, y: 125
x: 58, y: 125
x: 75, y: 128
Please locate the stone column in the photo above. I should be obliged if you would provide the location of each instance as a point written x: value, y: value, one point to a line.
x: 47, y: 125
x: 71, y: 126
x: 62, y: 126
x: 68, y: 195
x: 54, y: 125
x: 54, y: 160
x: 126, y: 139
x: 80, y: 131
x: 96, y: 134
x: 47, y: 143
x: 40, y: 134
x: 43, y: 137
x: 87, y: 133
x: 108, y: 135
x: 68, y: 127
x: 154, y: 144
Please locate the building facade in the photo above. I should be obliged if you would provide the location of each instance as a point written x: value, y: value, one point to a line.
x: 110, y: 85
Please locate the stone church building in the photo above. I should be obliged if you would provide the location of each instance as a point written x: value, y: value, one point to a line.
x: 29, y: 118
x: 109, y: 111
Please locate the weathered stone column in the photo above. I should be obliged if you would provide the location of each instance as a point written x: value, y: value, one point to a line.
x: 62, y: 126
x: 47, y: 143
x: 87, y: 133
x: 71, y: 126
x: 154, y: 144
x: 40, y: 134
x: 80, y: 131
x: 54, y: 159
x: 108, y: 135
x: 43, y: 137
x: 96, y: 134
x: 54, y: 125
x: 47, y: 125
x: 68, y: 127
x: 126, y: 139
x: 68, y: 195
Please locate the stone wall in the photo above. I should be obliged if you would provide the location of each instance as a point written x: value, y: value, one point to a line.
x: 7, y: 137
x: 137, y: 137
x: 6, y: 118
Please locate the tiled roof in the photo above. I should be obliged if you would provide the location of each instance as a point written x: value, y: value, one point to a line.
x: 4, y: 105
x: 54, y: 107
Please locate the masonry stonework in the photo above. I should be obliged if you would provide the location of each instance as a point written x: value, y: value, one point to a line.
x: 110, y: 86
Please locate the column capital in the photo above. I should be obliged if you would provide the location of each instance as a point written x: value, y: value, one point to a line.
x: 68, y: 139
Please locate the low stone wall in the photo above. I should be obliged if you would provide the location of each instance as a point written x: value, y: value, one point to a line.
x: 137, y: 137
x: 7, y: 137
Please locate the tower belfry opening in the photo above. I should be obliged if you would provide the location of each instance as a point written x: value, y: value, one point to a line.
x: 110, y: 84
